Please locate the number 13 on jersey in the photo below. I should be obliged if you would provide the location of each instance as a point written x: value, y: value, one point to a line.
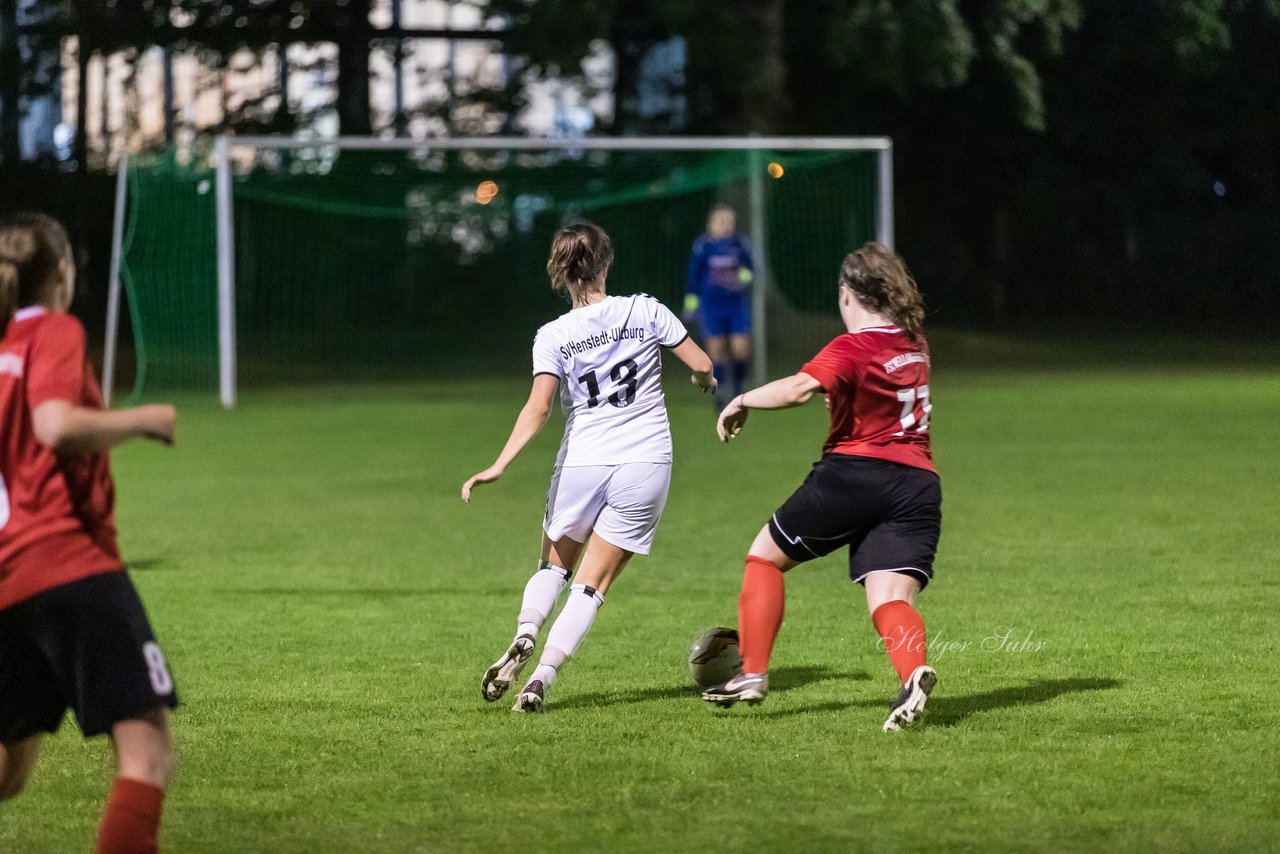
x: 624, y: 374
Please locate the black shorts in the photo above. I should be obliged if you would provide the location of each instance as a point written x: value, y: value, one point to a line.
x: 86, y: 646
x: 888, y: 514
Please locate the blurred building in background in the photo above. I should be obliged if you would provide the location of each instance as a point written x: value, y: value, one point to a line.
x: 433, y: 67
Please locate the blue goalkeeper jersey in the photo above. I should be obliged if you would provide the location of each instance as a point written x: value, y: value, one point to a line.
x: 720, y: 268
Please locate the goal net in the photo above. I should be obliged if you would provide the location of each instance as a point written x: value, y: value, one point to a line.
x: 278, y: 261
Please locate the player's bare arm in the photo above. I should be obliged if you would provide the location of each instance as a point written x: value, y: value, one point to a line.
x: 534, y: 414
x: 696, y: 360
x: 70, y: 430
x: 785, y: 393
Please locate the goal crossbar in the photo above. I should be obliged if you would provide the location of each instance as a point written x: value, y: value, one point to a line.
x: 622, y: 143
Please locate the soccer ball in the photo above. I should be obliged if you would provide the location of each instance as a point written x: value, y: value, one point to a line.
x: 714, y: 657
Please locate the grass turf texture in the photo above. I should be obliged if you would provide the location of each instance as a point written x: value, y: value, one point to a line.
x: 328, y: 605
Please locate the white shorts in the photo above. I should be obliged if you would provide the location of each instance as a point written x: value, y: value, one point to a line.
x: 621, y: 503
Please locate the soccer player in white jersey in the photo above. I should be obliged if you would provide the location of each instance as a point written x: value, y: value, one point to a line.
x: 614, y: 467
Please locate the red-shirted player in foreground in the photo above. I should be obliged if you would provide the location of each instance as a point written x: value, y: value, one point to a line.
x: 73, y: 633
x: 875, y: 488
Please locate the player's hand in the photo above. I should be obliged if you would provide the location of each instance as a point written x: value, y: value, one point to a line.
x: 489, y: 475
x: 732, y: 417
x: 158, y: 421
x: 690, y: 309
x: 706, y: 382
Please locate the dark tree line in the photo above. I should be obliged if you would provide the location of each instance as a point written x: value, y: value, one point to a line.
x: 1055, y: 158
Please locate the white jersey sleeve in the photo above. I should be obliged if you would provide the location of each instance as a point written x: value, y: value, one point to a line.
x: 544, y: 353
x: 668, y: 328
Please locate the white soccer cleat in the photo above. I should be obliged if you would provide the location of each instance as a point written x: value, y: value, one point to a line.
x: 531, y: 698
x: 909, y: 707
x: 745, y: 687
x: 498, y: 678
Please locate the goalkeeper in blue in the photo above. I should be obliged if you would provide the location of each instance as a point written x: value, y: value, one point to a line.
x: 718, y: 296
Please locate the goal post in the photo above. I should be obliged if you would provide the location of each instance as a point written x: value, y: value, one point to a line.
x: 112, y: 337
x: 226, y: 275
x: 329, y: 257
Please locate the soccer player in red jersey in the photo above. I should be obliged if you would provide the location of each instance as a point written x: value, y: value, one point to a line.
x: 875, y: 488
x: 73, y: 633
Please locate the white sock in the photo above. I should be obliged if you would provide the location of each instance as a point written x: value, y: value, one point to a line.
x: 567, y: 632
x: 540, y: 596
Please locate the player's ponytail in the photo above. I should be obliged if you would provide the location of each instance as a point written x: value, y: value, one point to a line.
x: 8, y: 291
x: 580, y: 255
x: 881, y: 283
x: 31, y: 247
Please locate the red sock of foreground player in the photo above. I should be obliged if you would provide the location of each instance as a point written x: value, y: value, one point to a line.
x: 902, y: 629
x: 759, y: 612
x: 132, y: 819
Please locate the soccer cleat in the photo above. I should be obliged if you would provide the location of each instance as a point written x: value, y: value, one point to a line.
x: 909, y: 707
x: 746, y: 687
x: 531, y: 698
x: 498, y: 678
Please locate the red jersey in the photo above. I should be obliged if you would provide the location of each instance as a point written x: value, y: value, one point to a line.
x: 56, y: 513
x: 877, y: 386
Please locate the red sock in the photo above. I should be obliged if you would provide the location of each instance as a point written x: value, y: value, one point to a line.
x: 902, y: 629
x: 759, y: 612
x: 132, y: 819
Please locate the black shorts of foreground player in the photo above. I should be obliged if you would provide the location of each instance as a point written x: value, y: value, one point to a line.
x: 73, y: 633
x: 613, y: 469
x: 875, y: 489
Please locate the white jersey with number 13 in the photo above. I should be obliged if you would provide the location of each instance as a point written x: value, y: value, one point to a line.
x: 608, y: 359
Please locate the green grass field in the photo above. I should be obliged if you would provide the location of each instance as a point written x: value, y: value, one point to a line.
x: 328, y: 605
